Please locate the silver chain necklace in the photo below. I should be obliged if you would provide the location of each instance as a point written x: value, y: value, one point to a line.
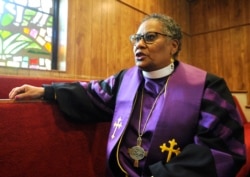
x: 137, y: 152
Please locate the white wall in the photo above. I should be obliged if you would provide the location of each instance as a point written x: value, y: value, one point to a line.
x: 242, y: 98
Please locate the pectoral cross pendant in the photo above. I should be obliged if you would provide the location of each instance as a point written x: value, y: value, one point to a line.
x: 137, y: 152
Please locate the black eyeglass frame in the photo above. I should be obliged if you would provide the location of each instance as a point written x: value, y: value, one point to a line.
x: 134, y: 38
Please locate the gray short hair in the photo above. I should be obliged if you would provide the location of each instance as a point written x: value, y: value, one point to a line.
x: 170, y: 27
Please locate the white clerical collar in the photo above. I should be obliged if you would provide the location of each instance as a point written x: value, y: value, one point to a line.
x: 166, y: 71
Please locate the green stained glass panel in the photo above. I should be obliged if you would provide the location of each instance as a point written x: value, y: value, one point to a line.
x: 7, y: 19
x: 5, y: 34
x: 26, y: 33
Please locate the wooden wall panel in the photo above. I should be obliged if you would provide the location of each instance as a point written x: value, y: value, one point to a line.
x: 178, y: 9
x: 103, y: 38
x: 220, y: 40
x: 212, y: 15
x: 224, y: 53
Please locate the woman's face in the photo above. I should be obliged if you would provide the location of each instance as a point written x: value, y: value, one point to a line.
x: 156, y: 55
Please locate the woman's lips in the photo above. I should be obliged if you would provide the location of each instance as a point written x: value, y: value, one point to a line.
x: 140, y: 55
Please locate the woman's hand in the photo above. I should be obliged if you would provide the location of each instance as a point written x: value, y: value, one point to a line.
x: 26, y: 92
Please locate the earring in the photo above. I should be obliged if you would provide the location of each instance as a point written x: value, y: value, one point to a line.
x: 172, y: 63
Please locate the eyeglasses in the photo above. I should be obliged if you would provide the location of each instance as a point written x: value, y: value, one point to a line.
x: 148, y: 37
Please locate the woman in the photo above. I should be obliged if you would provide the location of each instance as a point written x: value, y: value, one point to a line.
x: 169, y: 119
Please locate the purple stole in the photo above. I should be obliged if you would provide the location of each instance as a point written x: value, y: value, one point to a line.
x: 179, y: 116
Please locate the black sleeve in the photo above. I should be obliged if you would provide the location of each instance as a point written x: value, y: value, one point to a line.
x: 94, y: 102
x: 74, y: 102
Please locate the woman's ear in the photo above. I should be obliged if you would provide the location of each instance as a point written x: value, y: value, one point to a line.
x: 175, y: 46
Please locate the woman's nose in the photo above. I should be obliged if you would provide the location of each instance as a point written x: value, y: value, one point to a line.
x: 140, y: 43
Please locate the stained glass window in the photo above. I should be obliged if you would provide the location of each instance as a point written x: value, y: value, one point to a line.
x: 28, y: 33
